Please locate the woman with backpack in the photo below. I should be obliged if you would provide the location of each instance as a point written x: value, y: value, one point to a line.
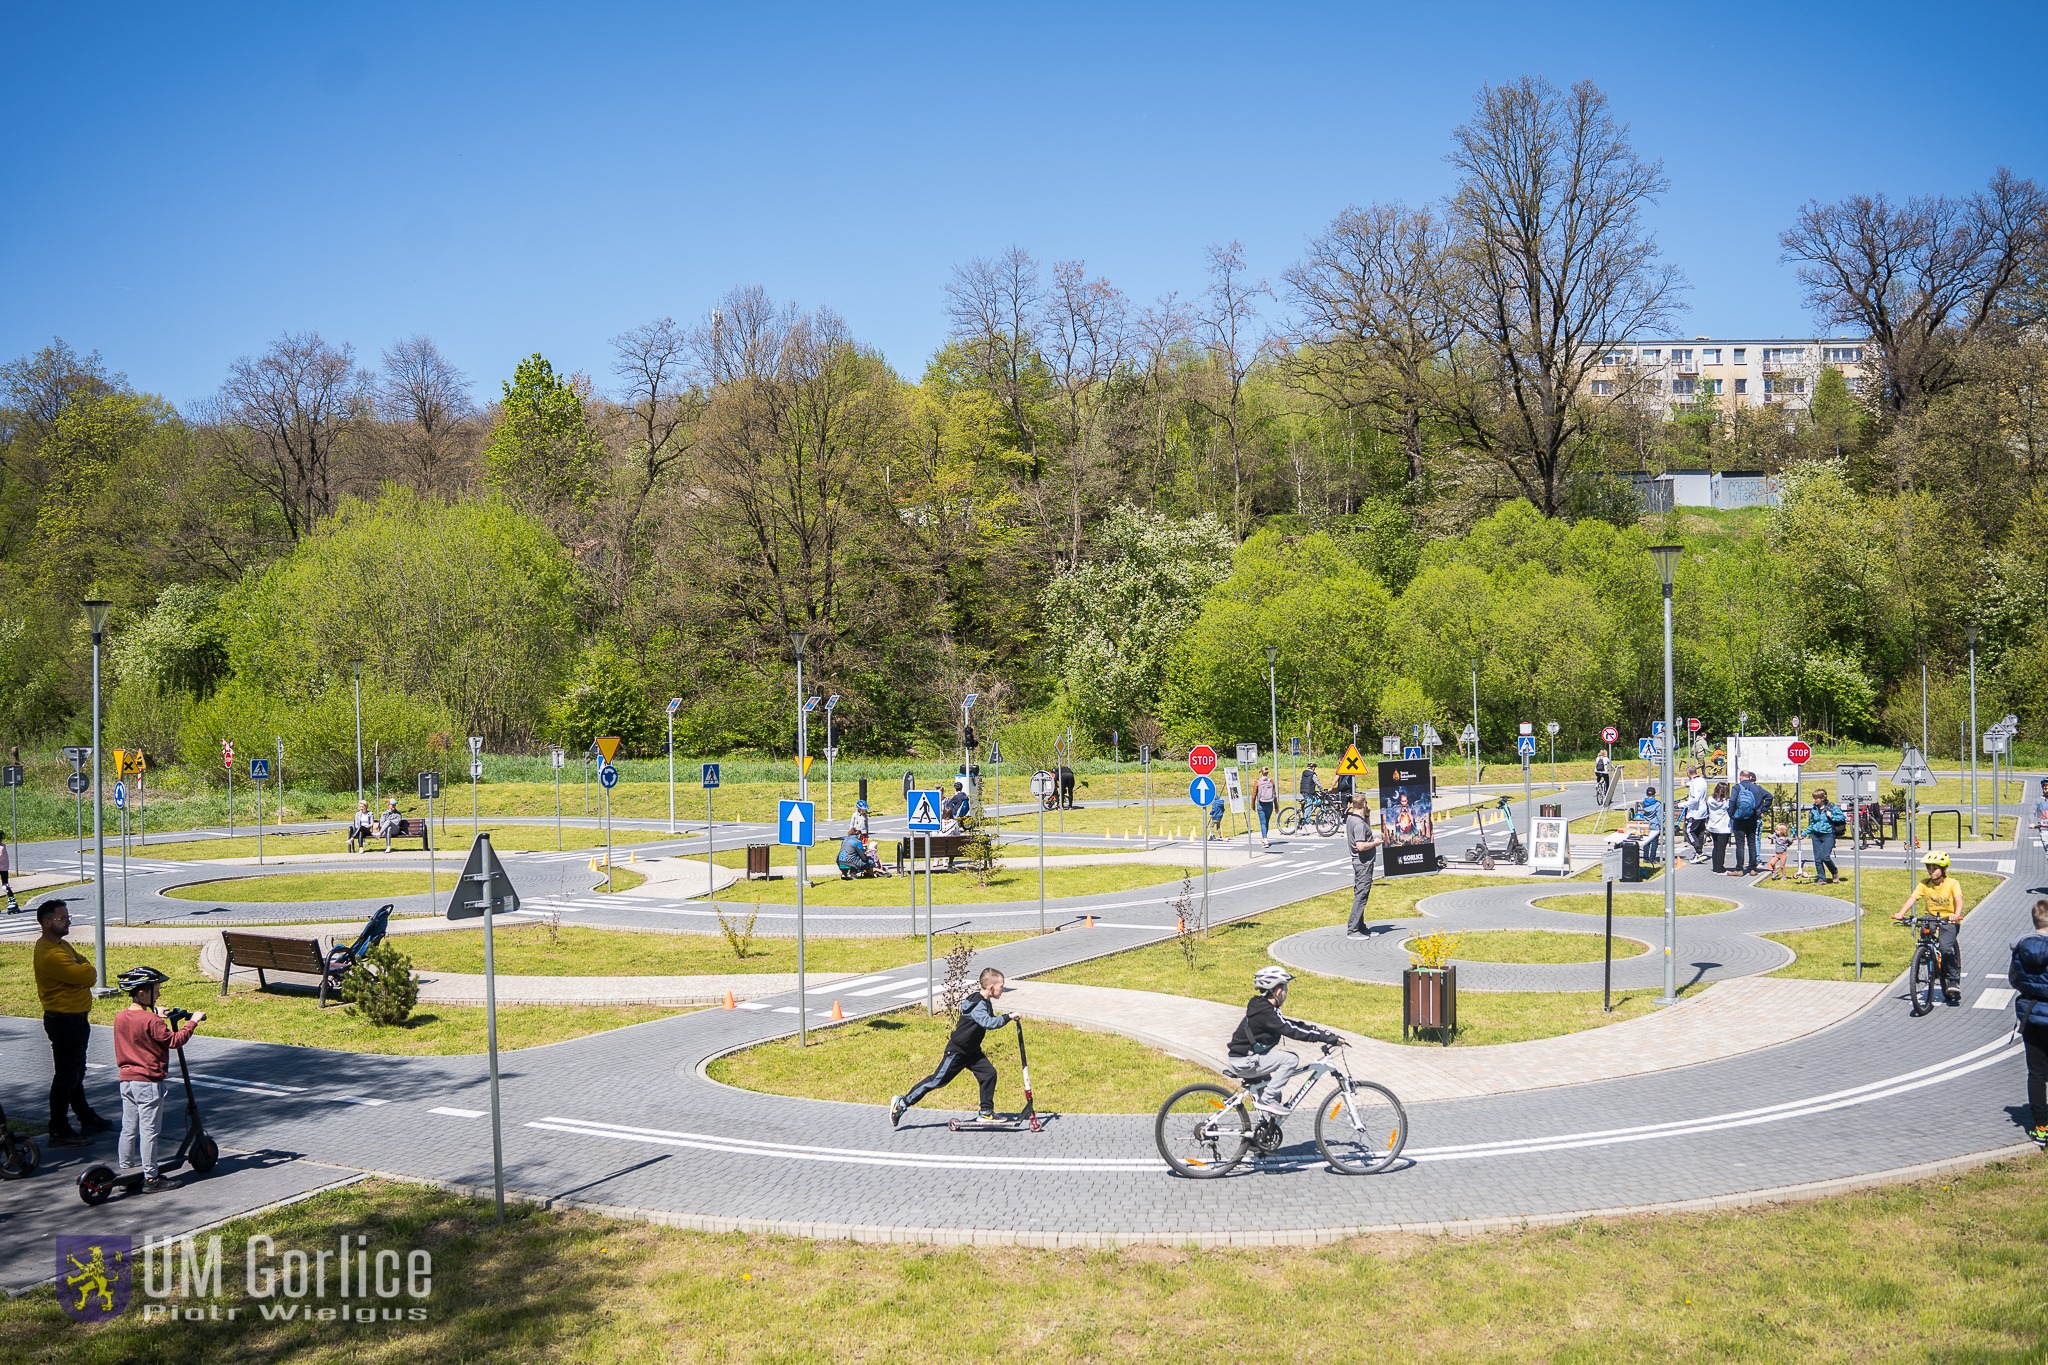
x: 1719, y: 827
x: 1823, y: 822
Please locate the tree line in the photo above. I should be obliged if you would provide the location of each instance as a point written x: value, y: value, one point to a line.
x: 1388, y: 466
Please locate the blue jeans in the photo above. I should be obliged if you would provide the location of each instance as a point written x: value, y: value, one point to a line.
x: 1824, y: 855
x: 1265, y: 816
x: 1748, y: 845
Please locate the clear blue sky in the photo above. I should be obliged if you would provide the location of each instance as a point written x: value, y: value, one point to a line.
x: 189, y: 182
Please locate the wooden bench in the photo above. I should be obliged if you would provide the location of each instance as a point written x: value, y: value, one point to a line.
x: 265, y: 953
x: 406, y: 828
x: 947, y: 846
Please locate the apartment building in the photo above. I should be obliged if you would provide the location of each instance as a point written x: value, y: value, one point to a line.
x: 1750, y: 373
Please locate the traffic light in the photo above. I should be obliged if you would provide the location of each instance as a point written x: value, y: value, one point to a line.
x: 970, y: 741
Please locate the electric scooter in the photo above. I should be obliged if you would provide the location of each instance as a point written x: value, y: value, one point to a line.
x: 1010, y: 1123
x: 198, y: 1150
x: 19, y: 1156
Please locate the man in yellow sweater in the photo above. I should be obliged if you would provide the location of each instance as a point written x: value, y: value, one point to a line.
x: 65, y: 980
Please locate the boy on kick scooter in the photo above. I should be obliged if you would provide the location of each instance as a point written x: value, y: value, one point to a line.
x: 963, y: 1050
x: 142, y: 1049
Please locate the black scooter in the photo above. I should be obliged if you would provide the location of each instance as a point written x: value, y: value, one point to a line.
x: 198, y: 1150
x: 1010, y: 1123
x: 19, y: 1156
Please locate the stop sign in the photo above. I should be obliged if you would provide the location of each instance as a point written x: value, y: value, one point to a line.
x: 1201, y: 760
x: 1799, y: 751
x: 1693, y: 724
x: 1609, y: 735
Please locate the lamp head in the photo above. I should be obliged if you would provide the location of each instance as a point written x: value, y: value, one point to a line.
x: 1970, y: 636
x: 96, y: 616
x: 1667, y: 561
x: 1272, y: 656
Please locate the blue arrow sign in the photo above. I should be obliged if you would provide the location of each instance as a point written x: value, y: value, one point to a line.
x: 710, y: 775
x: 924, y: 811
x: 796, y: 823
x: 1202, y: 791
x: 608, y: 776
x: 1412, y: 751
x: 1656, y: 727
x: 1526, y: 744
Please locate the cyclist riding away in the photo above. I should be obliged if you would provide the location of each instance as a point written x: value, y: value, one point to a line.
x: 1252, y: 1053
x: 1942, y: 898
x: 1602, y: 775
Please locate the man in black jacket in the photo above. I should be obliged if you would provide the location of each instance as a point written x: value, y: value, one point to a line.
x: 2027, y: 974
x: 1252, y: 1053
x: 963, y: 1050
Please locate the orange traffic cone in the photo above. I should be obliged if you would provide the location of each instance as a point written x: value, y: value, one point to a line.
x: 837, y: 1013
x: 1091, y: 922
x: 731, y: 1003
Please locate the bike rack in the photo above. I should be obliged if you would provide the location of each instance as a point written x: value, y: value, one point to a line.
x: 1945, y: 810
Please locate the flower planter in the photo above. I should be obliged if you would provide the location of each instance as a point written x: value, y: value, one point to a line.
x: 1429, y: 999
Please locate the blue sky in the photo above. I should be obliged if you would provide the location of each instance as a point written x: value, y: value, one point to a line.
x: 187, y: 183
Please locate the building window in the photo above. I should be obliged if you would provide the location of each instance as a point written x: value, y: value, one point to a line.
x: 1651, y: 355
x: 1710, y: 356
x: 1614, y: 359
x: 1784, y: 385
x: 1711, y: 387
x: 1681, y: 388
x: 1681, y: 357
x: 1742, y: 355
x: 1741, y: 385
x: 1601, y: 388
x: 1652, y: 386
x: 1784, y: 355
x: 1844, y: 355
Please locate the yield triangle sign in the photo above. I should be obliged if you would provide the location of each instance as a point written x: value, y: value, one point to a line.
x: 1352, y: 765
x: 471, y: 894
x: 608, y: 747
x: 995, y: 752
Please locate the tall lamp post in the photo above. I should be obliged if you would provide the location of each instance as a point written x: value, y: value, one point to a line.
x: 355, y: 667
x: 1273, y: 705
x: 1667, y: 569
x: 96, y: 618
x: 1970, y: 637
x: 797, y: 639
x: 831, y: 751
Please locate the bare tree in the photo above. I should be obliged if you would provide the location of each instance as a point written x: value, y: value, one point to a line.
x: 1921, y: 279
x: 425, y: 400
x: 993, y: 306
x: 1228, y: 328
x: 284, y: 416
x: 1549, y: 218
x: 1380, y: 295
x: 1161, y: 336
x: 664, y: 402
x: 1085, y: 336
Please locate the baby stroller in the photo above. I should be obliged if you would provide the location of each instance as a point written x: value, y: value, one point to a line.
x: 1495, y: 847
x: 340, y: 959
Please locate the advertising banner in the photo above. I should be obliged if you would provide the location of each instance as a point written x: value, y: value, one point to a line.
x: 1764, y: 755
x: 1407, y: 822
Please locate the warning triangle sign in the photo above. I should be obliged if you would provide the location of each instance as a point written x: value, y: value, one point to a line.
x: 471, y: 895
x: 922, y: 813
x: 1351, y: 765
x: 608, y: 746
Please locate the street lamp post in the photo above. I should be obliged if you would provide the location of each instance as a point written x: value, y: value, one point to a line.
x: 96, y: 618
x: 797, y: 639
x: 831, y: 751
x: 1273, y: 705
x: 355, y: 666
x: 1970, y: 636
x: 1667, y: 569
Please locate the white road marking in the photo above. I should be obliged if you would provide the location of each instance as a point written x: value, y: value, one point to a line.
x: 752, y: 1005
x: 1996, y: 998
x: 455, y: 1113
x: 2005, y: 865
x: 785, y: 1009
x: 877, y: 990
x: 254, y: 1087
x: 353, y: 1099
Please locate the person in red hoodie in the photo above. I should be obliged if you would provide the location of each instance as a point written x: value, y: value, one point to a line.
x: 142, y: 1049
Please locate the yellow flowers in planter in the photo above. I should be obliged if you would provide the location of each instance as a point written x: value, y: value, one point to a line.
x: 1433, y: 950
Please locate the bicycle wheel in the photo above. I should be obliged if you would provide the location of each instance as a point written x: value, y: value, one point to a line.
x: 1328, y: 821
x: 1200, y: 1133
x: 1363, y: 1132
x: 1920, y: 986
x: 1290, y: 819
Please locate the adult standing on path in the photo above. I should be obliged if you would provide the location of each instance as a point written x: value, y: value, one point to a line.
x: 1358, y: 833
x: 1820, y: 831
x: 1696, y: 814
x: 1267, y: 793
x: 65, y: 980
x: 1746, y: 811
x: 1719, y: 826
x: 2028, y: 976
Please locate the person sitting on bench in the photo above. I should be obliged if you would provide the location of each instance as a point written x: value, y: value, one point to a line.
x: 954, y: 811
x: 391, y: 823
x: 360, y: 826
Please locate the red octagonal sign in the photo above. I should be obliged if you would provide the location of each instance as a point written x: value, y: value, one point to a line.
x: 1201, y: 760
x: 1799, y: 751
x: 1609, y: 735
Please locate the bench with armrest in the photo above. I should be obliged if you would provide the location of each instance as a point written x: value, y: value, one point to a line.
x: 947, y: 846
x: 408, y: 828
x: 268, y: 953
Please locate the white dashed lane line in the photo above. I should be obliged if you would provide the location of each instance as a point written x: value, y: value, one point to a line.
x: 452, y: 1112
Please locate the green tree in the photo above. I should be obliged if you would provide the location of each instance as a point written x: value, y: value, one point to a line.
x: 607, y: 695
x: 543, y: 456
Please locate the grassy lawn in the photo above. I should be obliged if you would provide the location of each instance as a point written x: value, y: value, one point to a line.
x: 960, y: 888
x: 1633, y: 903
x: 1815, y: 1282
x: 309, y: 886
x: 296, y: 1018
x: 531, y: 950
x: 1541, y: 946
x: 622, y: 879
x: 453, y: 842
x: 1829, y: 954
x: 1224, y: 964
x: 1077, y: 1071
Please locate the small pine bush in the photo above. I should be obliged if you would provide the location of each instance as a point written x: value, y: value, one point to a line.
x: 381, y: 986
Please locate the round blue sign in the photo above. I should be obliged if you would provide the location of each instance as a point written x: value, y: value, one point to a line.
x: 608, y: 776
x: 1202, y: 791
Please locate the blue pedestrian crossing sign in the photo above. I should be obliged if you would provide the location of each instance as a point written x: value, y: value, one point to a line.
x: 608, y: 776
x: 1526, y: 745
x: 1202, y: 791
x: 1646, y: 748
x: 796, y: 823
x: 924, y: 811
x: 259, y: 770
x: 1412, y: 751
x: 710, y: 776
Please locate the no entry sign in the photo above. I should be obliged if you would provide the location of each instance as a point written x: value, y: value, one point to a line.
x: 1201, y: 760
x: 1799, y: 751
x: 1609, y: 735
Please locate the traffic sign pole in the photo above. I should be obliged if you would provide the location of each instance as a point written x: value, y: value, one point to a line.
x: 1041, y: 867
x: 671, y: 771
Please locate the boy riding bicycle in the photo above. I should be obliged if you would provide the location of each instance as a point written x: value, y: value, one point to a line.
x: 1942, y: 898
x: 1252, y: 1054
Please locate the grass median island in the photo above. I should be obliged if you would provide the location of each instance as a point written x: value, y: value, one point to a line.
x: 1073, y: 1071
x: 297, y: 1019
x: 1542, y: 946
x: 310, y: 886
x: 1225, y: 961
x: 1824, y: 1281
x: 1016, y: 883
x: 531, y: 949
x: 1633, y: 903
x: 1829, y: 954
x: 452, y: 842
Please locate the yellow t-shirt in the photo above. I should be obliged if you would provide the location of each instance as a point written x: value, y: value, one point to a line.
x: 63, y: 979
x: 1945, y: 900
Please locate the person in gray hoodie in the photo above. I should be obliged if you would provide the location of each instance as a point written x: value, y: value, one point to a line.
x: 2028, y: 976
